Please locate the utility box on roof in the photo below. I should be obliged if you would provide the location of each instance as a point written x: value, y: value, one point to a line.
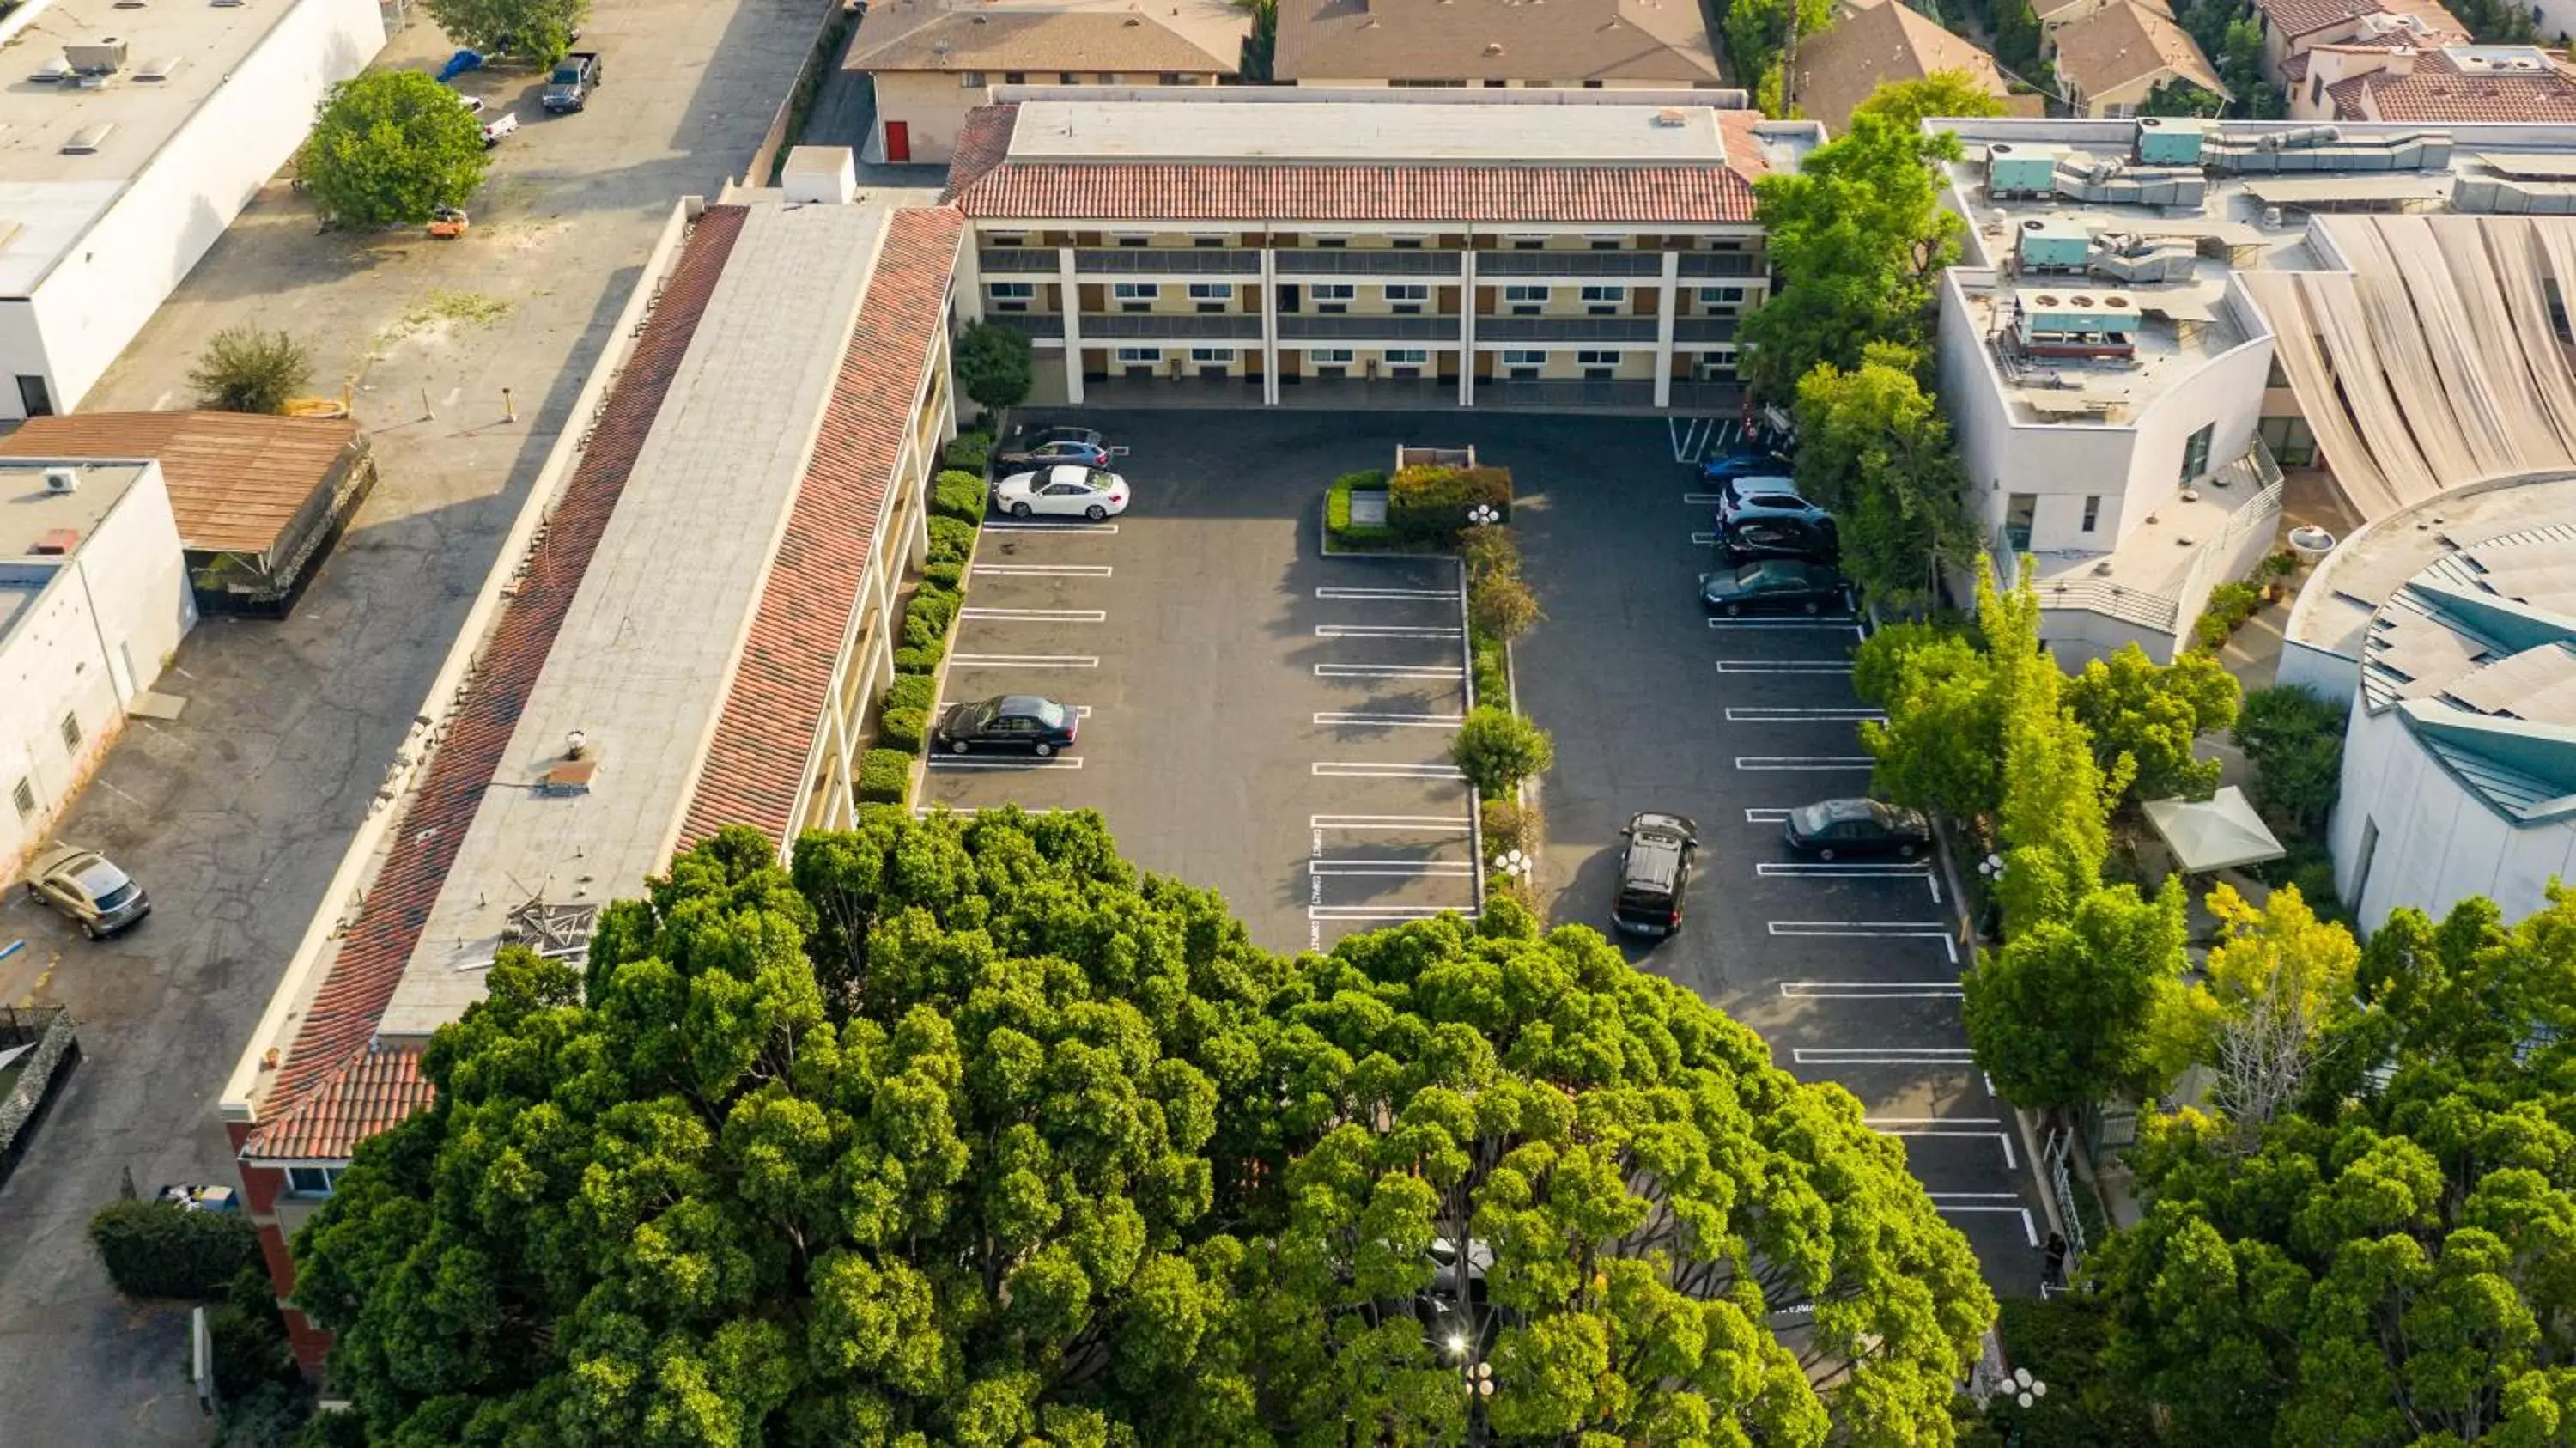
x: 2019, y: 169
x: 820, y: 176
x: 2053, y: 245
x: 2170, y: 140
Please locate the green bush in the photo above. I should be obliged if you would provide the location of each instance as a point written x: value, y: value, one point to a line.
x: 1337, y: 511
x: 2230, y: 604
x: 951, y: 540
x: 1493, y: 673
x: 1500, y: 606
x: 1496, y: 749
x: 152, y: 1250
x: 923, y: 660
x: 950, y: 576
x: 2294, y: 742
x: 885, y: 777
x: 1489, y: 552
x: 927, y: 617
x: 903, y: 729
x: 968, y: 452
x: 911, y: 691
x: 958, y: 494
x: 1429, y: 506
x: 1509, y: 825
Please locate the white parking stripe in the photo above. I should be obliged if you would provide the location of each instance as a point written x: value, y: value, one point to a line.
x: 1794, y: 762
x: 1035, y: 615
x: 1769, y: 870
x: 1364, y: 720
x: 1837, y: 622
x: 1870, y: 990
x: 1382, y: 631
x: 1366, y: 769
x: 1443, y: 594
x: 2003, y: 1138
x: 1385, y: 822
x: 1045, y: 570
x: 1889, y: 1056
x: 1092, y: 529
x: 1702, y: 500
x: 1952, y: 1202
x: 1766, y: 817
x: 1782, y: 666
x: 1060, y: 761
x: 1385, y: 671
x: 1387, y: 912
x: 1750, y: 714
x: 1456, y: 869
x: 1871, y: 930
x: 1704, y: 539
x: 1024, y: 661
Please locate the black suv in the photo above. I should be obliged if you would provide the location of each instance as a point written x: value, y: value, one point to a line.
x: 1654, y: 872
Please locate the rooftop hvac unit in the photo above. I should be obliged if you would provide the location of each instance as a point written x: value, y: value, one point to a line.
x: 99, y: 57
x: 61, y: 480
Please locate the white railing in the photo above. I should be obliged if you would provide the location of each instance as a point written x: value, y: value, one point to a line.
x: 2168, y: 612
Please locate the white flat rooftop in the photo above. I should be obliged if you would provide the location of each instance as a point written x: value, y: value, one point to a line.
x: 28, y: 513
x: 646, y: 655
x: 1460, y: 134
x: 2335, y: 605
x: 50, y: 198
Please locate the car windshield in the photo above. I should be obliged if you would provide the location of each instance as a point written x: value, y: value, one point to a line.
x: 976, y: 716
x: 117, y: 898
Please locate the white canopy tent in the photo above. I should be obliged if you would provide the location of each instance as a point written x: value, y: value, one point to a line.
x: 2218, y: 833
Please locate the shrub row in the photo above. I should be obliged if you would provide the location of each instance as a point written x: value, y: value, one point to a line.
x: 968, y: 452
x: 1430, y: 506
x: 958, y: 494
x: 154, y: 1250
x: 1337, y: 511
x: 957, y: 506
x: 2230, y: 604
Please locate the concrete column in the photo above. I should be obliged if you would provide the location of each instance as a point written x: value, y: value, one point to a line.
x: 1664, y: 329
x: 1269, y: 327
x: 1467, y: 325
x: 1072, y: 324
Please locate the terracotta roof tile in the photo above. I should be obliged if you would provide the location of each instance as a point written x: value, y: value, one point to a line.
x: 755, y: 769
x: 2126, y: 42
x: 370, y: 1092
x: 983, y: 143
x: 1190, y: 37
x: 340, y: 1024
x: 1286, y: 194
x: 2294, y: 18
x: 236, y: 479
x: 1881, y: 41
x: 2439, y: 91
x: 1628, y: 40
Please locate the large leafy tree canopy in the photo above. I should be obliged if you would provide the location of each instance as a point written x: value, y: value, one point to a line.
x: 2152, y: 713
x: 1876, y: 452
x: 968, y: 1133
x: 389, y: 147
x: 2395, y: 1262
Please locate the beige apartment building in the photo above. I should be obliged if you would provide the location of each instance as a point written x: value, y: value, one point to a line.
x: 1287, y: 248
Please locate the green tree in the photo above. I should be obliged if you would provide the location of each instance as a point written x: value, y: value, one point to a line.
x: 1941, y: 746
x: 2054, y: 819
x: 389, y: 148
x: 965, y: 1132
x: 1875, y: 450
x: 2294, y: 742
x: 2065, y: 1014
x: 246, y: 369
x: 537, y: 31
x: 2017, y: 37
x: 2182, y: 98
x: 995, y: 366
x: 2277, y: 983
x: 1856, y: 236
x: 1756, y: 31
x: 1908, y: 103
x: 2151, y: 714
x: 1496, y: 749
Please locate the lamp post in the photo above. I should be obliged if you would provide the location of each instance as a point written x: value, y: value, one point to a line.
x: 2026, y: 1391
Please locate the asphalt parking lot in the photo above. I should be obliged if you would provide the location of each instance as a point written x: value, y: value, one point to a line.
x: 1255, y: 716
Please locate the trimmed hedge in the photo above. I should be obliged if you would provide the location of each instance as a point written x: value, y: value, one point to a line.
x: 911, y: 691
x: 957, y: 494
x: 950, y: 576
x: 951, y: 539
x: 919, y: 660
x: 885, y: 777
x: 1337, y: 510
x: 969, y: 452
x: 927, y: 617
x: 904, y: 729
x: 1429, y: 505
x: 153, y: 1250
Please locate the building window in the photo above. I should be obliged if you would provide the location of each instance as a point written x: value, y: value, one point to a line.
x: 1331, y: 243
x: 1405, y: 243
x: 1211, y: 291
x: 2020, y: 509
x: 1598, y: 366
x: 1716, y: 365
x: 2092, y: 511
x: 1525, y: 300
x: 1207, y: 241
x: 1603, y: 240
x: 24, y: 797
x: 1523, y: 366
x: 1066, y: 77
x: 971, y: 80
x: 1135, y: 296
x: 71, y: 732
x: 1148, y: 355
x: 1171, y: 77
x: 1592, y: 85
x: 1406, y: 298
x: 1013, y: 291
x: 1015, y: 77
x: 1406, y: 356
x: 1526, y: 242
x: 311, y: 1181
x: 2195, y: 453
x: 1213, y: 356
x: 1134, y: 238
x: 1327, y: 356
x: 1601, y: 301
x: 1333, y: 296
x: 2316, y: 89
x: 1721, y: 296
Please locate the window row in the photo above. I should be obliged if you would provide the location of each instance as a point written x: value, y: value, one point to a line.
x: 1520, y: 297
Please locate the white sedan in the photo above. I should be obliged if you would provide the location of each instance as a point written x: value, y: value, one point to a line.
x: 1067, y: 490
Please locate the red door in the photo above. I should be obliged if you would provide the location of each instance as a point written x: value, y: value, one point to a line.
x: 898, y: 142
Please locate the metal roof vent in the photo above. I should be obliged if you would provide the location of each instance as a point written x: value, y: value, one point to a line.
x: 1672, y: 116
x: 158, y: 68
x: 87, y: 140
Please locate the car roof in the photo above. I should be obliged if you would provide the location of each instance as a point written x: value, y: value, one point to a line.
x: 1023, y: 703
x: 1044, y: 435
x: 1654, y: 860
x: 1069, y: 473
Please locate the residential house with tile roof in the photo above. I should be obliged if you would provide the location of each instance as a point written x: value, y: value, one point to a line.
x: 1879, y: 42
x: 1600, y: 44
x: 932, y: 62
x: 2293, y: 27
x: 2452, y: 83
x: 1376, y: 247
x: 699, y: 612
x: 2111, y: 60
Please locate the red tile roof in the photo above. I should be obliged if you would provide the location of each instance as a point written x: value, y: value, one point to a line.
x: 2439, y: 91
x: 340, y: 1024
x: 755, y: 769
x: 983, y: 143
x: 370, y: 1092
x: 2294, y: 18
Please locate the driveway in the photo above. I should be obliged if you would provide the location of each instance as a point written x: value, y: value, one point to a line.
x: 236, y: 814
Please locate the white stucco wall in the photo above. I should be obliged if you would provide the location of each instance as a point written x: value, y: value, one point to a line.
x: 108, y: 285
x: 98, y: 633
x: 2437, y: 842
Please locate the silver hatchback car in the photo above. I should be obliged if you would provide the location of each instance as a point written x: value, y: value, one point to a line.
x: 89, y: 890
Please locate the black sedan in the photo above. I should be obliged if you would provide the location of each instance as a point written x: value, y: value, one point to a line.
x: 1021, y: 722
x: 1838, y: 827
x: 1774, y: 585
x: 1755, y: 539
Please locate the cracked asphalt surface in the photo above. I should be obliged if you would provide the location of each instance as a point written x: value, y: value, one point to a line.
x: 235, y: 815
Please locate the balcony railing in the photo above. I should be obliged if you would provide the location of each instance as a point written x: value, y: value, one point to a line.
x: 1016, y: 260
x: 1336, y: 263
x: 1209, y: 326
x: 1190, y: 261
x: 1720, y: 264
x: 1367, y: 329
x: 1565, y: 329
x: 1703, y: 329
x: 1037, y: 327
x: 1569, y: 264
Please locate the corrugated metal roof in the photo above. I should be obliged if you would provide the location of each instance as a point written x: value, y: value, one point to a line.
x: 236, y: 479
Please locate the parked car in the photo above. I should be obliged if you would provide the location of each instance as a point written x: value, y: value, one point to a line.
x: 569, y: 84
x: 1836, y: 827
x: 88, y: 890
x: 1067, y: 490
x: 1758, y: 463
x: 1772, y: 502
x: 1089, y: 454
x: 1654, y: 873
x: 473, y: 104
x: 1774, y: 585
x: 499, y: 126
x: 1012, y: 721
x: 1755, y: 539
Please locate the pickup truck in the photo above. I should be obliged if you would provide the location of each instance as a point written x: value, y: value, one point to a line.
x: 569, y: 85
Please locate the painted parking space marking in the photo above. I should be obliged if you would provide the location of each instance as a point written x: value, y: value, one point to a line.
x: 1080, y: 529
x: 1870, y: 990
x: 1784, y: 666
x: 1024, y: 661
x: 1383, y: 631
x: 1060, y: 761
x: 1445, y: 595
x: 1803, y: 762
x: 1774, y: 870
x: 1948, y: 1128
x: 1703, y: 500
x: 1870, y: 930
x: 1694, y: 437
x: 1363, y: 719
x: 1387, y: 912
x: 1975, y: 1202
x: 1767, y: 816
x: 1370, y: 769
x: 1035, y: 615
x: 1837, y: 623
x: 1751, y: 714
x: 925, y: 811
x: 1387, y: 671
x: 1452, y: 869
x: 1045, y: 570
x: 1881, y: 1056
x: 1385, y: 822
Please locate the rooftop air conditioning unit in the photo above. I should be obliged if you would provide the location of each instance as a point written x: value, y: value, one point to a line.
x: 61, y: 480
x: 100, y: 57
